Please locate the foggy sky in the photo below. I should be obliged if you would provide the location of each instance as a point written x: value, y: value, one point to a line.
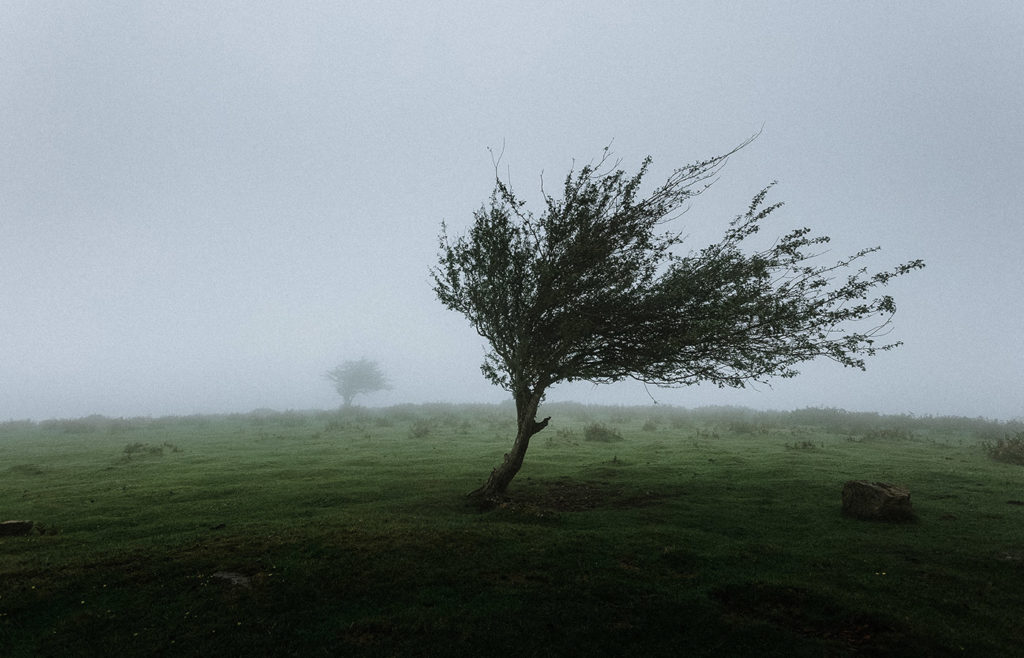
x: 206, y: 205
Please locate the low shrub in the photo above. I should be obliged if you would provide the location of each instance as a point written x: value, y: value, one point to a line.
x: 600, y: 433
x: 139, y: 448
x: 420, y: 429
x: 1009, y: 449
x: 142, y: 448
x: 745, y: 427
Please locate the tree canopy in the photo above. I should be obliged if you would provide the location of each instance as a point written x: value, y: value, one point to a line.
x: 353, y: 378
x: 597, y: 288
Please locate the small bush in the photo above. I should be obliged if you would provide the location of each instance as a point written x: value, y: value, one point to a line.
x: 1009, y: 449
x: 746, y: 427
x: 600, y: 433
x: 139, y: 448
x: 420, y: 429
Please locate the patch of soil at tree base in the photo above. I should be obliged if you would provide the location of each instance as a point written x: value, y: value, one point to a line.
x: 814, y: 615
x: 566, y: 495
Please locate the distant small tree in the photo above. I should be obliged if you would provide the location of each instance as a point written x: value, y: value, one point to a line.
x: 592, y: 290
x: 354, y: 378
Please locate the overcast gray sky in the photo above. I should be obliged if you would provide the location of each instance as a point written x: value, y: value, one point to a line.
x: 205, y: 205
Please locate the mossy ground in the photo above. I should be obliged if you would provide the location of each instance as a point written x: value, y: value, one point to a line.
x: 709, y: 532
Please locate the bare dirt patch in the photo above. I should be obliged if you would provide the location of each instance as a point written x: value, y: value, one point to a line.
x: 567, y: 495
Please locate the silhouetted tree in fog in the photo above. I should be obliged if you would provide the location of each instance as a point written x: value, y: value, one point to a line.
x: 591, y: 289
x: 354, y: 378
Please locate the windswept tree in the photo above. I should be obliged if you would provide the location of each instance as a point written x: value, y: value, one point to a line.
x: 596, y: 288
x: 354, y: 378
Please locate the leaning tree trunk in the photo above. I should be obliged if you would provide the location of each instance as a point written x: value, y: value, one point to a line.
x: 526, y: 426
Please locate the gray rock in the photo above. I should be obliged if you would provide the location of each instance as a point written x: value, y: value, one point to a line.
x: 15, y: 528
x: 234, y: 578
x: 877, y: 500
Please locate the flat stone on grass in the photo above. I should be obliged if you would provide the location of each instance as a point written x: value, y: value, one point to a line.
x: 877, y: 501
x: 15, y: 528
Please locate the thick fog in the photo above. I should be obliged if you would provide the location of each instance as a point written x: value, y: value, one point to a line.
x: 204, y: 206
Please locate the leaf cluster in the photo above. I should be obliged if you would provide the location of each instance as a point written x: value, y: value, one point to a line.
x: 595, y: 289
x: 357, y: 377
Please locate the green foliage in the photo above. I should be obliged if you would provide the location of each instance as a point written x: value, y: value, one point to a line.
x: 139, y: 448
x: 593, y: 289
x: 600, y: 433
x: 142, y: 448
x: 802, y: 445
x: 745, y: 427
x: 354, y: 378
x: 1009, y: 449
x: 420, y: 429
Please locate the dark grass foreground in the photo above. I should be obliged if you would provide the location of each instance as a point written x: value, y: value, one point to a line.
x: 706, y: 533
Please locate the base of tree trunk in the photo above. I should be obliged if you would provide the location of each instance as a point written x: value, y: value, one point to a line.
x: 484, y: 500
x: 492, y: 493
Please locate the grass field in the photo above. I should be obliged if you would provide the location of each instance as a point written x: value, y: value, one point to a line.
x: 711, y: 532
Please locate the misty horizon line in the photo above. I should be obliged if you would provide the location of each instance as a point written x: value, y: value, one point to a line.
x: 565, y: 405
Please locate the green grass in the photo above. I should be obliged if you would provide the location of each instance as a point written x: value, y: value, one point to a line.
x: 708, y: 532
